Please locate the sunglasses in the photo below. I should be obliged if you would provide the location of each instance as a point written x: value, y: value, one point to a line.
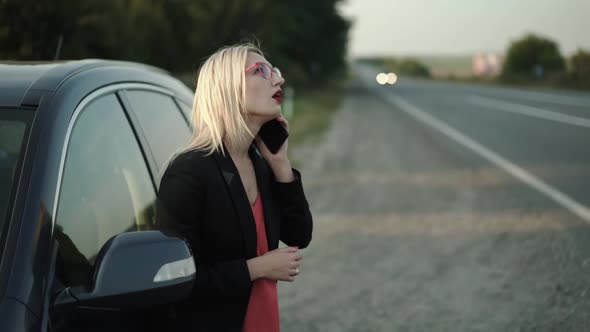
x: 265, y: 70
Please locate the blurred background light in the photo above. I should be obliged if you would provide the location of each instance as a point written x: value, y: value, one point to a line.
x: 391, y: 78
x: 382, y: 78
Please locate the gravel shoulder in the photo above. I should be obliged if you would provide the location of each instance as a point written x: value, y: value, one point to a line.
x: 415, y: 233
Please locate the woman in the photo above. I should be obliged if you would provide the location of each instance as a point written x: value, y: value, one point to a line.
x: 233, y: 200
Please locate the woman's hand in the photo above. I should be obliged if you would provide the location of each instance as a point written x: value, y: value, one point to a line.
x: 280, y: 264
x: 279, y: 162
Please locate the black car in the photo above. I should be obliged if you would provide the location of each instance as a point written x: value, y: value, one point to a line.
x: 82, y: 145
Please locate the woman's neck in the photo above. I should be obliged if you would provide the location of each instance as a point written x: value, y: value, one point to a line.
x: 238, y: 152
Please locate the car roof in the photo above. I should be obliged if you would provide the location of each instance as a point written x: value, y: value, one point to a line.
x: 18, y: 78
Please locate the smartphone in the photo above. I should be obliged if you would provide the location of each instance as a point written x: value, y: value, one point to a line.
x: 273, y: 134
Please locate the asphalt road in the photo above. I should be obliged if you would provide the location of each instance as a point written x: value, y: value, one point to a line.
x: 447, y: 207
x: 547, y: 133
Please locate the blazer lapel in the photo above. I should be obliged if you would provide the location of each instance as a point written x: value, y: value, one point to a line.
x: 263, y: 179
x: 233, y: 183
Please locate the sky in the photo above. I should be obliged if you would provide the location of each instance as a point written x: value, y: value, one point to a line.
x: 462, y: 27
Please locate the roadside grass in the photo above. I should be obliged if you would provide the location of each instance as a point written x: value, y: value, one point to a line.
x: 313, y: 110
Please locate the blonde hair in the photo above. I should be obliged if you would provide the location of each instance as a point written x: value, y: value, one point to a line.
x: 219, y: 112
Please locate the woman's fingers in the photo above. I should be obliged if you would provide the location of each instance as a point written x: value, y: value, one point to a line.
x: 290, y: 259
x: 284, y: 122
x: 294, y: 272
x: 294, y: 268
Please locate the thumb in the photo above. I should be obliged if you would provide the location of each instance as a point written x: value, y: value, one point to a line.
x: 291, y: 249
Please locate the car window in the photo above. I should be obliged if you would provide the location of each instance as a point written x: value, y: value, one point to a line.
x: 106, y: 188
x: 11, y: 139
x: 163, y: 124
x: 187, y: 110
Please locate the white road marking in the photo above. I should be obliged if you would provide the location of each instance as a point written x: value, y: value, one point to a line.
x: 554, y: 194
x: 548, y: 98
x: 529, y: 111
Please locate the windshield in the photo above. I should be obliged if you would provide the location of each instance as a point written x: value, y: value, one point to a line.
x: 12, y: 133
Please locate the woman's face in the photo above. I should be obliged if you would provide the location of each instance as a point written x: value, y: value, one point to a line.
x: 263, y: 96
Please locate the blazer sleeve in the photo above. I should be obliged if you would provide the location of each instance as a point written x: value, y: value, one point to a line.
x: 180, y: 203
x: 296, y: 221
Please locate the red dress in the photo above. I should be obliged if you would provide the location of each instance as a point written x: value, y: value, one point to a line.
x: 262, y: 314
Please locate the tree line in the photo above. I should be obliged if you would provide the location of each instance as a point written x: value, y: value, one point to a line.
x: 306, y: 38
x: 534, y: 58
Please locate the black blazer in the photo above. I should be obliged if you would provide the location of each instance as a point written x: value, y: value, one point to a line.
x: 202, y: 198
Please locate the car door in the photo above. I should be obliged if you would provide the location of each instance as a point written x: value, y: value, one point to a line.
x: 105, y: 189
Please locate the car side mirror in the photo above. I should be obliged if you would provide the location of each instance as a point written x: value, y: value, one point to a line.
x: 135, y: 270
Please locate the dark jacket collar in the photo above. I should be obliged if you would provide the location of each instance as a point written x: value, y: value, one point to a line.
x: 234, y: 185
